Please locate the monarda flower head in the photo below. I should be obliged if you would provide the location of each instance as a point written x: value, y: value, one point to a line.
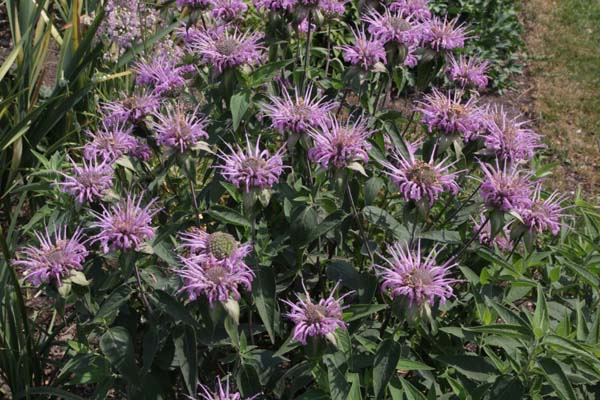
x: 505, y: 188
x: 364, y: 52
x: 217, y: 280
x: 468, y: 71
x: 417, y: 8
x: 178, y: 129
x: 54, y: 259
x: 126, y: 21
x: 201, y: 4
x: 228, y: 10
x: 110, y: 142
x: 251, y: 168
x: 541, y: 215
x: 297, y: 114
x: 274, y: 5
x: 508, y: 137
x: 222, y: 392
x: 396, y: 27
x: 132, y: 109
x: 219, y: 246
x: 89, y: 181
x: 419, y: 280
x: 125, y: 225
x: 441, y: 34
x: 451, y: 115
x: 316, y: 319
x: 417, y: 179
x: 333, y: 8
x: 337, y: 146
x: 162, y: 74
x: 223, y: 49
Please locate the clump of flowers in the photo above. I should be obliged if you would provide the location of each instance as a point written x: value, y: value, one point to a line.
x: 297, y: 114
x: 89, y: 181
x: 228, y: 10
x: 125, y: 225
x: 417, y: 179
x: 468, y: 71
x: 419, y: 280
x: 162, y: 74
x: 364, y: 52
x: 418, y: 8
x: 55, y: 258
x: 252, y: 167
x: 505, y: 188
x: 132, y: 109
x: 316, y: 319
x: 451, y: 115
x: 178, y: 129
x: 223, y: 49
x: 338, y: 145
x: 274, y: 5
x: 397, y: 27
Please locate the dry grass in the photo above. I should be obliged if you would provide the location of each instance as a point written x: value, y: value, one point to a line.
x: 563, y: 40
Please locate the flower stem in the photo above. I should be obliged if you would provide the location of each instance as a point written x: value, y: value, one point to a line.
x: 466, y: 245
x: 359, y: 222
x: 141, y: 288
x: 307, y: 52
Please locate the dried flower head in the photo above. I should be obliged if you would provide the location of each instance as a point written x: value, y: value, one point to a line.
x: 420, y: 280
x: 55, y: 258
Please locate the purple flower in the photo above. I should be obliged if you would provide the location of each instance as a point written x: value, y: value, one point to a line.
x: 316, y: 319
x: 417, y: 179
x: 299, y: 113
x: 54, y: 259
x: 541, y: 215
x: 408, y: 275
x: 339, y: 145
x: 227, y: 50
x: 396, y: 27
x: 125, y: 225
x: 468, y: 71
x: 228, y: 10
x: 131, y: 109
x: 443, y: 34
x: 501, y: 240
x: 202, y: 4
x: 274, y: 5
x: 410, y: 60
x: 303, y: 26
x: 162, y: 74
x: 125, y: 22
x: 142, y: 151
x: 254, y: 168
x: 417, y: 8
x: 89, y: 181
x: 508, y: 138
x: 216, y: 280
x: 222, y: 392
x: 110, y: 142
x: 179, y: 130
x: 451, y: 115
x: 220, y: 247
x: 364, y: 52
x: 505, y: 188
x: 333, y: 8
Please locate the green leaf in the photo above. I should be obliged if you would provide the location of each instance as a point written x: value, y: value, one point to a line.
x: 411, y: 392
x: 541, y: 320
x: 114, y: 301
x: 384, y: 365
x: 186, y: 358
x: 505, y: 388
x: 473, y: 367
x: 49, y: 391
x: 263, y: 291
x: 405, y: 364
x: 172, y: 308
x: 228, y: 216
x: 557, y: 378
x: 330, y: 222
x: 239, y: 105
x: 117, y: 347
x: 338, y: 387
x: 508, y: 330
x: 357, y: 311
x: 372, y: 188
x: 267, y: 72
x: 570, y: 347
x: 383, y: 219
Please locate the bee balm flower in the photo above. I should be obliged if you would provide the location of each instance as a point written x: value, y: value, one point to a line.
x: 89, y: 181
x: 364, y: 52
